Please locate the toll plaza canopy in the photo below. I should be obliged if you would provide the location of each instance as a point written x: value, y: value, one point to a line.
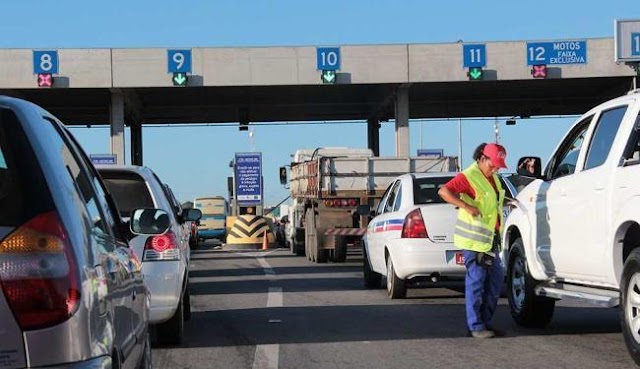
x: 191, y: 85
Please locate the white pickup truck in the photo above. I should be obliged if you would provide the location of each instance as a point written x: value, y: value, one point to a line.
x: 574, y: 232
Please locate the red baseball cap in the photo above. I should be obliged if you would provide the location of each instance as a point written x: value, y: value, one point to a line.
x: 496, y: 153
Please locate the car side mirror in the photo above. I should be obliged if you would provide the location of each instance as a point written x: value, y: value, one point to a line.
x: 530, y: 166
x: 192, y: 214
x: 363, y: 210
x: 149, y: 221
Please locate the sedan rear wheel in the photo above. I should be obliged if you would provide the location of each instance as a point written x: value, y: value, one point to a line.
x: 396, y: 287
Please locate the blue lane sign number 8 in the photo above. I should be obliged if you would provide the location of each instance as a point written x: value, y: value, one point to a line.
x: 328, y: 58
x: 474, y: 55
x: 45, y: 62
x: 179, y: 61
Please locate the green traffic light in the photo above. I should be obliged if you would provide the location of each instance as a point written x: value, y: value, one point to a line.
x: 475, y: 74
x: 179, y: 79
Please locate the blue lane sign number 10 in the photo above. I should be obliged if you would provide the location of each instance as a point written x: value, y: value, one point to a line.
x: 179, y: 61
x: 328, y: 58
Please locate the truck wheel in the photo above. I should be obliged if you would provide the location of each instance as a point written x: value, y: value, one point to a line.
x: 371, y: 278
x: 630, y: 302
x: 186, y: 301
x: 340, y: 252
x: 396, y: 287
x: 321, y: 255
x: 527, y: 309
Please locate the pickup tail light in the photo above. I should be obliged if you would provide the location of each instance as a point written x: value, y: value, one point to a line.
x: 414, y: 226
x: 161, y: 247
x: 38, y: 273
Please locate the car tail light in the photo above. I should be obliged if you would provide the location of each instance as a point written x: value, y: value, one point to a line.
x: 38, y: 273
x: 161, y: 247
x: 414, y: 226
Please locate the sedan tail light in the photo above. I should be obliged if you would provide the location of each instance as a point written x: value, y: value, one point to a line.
x: 161, y: 247
x: 38, y: 273
x: 414, y: 226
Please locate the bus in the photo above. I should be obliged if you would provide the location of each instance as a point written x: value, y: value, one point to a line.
x: 213, y: 223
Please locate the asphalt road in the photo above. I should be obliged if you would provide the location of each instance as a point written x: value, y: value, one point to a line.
x: 271, y: 309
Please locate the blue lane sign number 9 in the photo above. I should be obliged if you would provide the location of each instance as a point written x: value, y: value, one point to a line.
x: 179, y: 61
x: 45, y: 62
x: 474, y: 55
x: 328, y: 58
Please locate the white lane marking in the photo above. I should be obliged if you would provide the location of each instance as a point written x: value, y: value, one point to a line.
x: 268, y: 271
x: 268, y: 356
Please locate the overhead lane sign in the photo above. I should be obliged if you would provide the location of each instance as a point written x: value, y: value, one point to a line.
x: 627, y: 40
x: 557, y: 52
x: 474, y: 56
x: 179, y: 64
x: 328, y: 58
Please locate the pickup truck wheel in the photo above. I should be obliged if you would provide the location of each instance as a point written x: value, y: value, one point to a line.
x: 371, y: 278
x: 527, y: 309
x: 396, y: 287
x: 186, y: 301
x: 630, y: 302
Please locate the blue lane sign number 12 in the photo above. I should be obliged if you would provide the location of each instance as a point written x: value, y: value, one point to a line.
x: 179, y: 61
x: 474, y: 55
x: 328, y: 58
x: 45, y: 62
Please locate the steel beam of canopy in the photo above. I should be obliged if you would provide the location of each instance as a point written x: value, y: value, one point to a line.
x: 402, y: 121
x: 373, y: 135
x: 116, y: 120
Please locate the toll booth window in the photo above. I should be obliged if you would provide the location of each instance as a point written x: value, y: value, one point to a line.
x: 130, y: 192
x: 425, y: 190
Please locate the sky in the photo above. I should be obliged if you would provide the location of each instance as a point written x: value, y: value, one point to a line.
x: 194, y: 160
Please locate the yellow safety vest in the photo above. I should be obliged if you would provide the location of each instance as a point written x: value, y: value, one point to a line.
x: 476, y: 233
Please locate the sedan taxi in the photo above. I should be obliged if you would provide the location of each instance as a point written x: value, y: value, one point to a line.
x: 411, y: 236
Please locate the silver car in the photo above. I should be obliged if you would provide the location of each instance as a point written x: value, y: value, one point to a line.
x: 72, y: 293
x: 165, y: 258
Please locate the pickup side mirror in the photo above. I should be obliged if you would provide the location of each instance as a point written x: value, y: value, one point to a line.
x: 530, y: 166
x: 283, y: 175
x: 149, y: 221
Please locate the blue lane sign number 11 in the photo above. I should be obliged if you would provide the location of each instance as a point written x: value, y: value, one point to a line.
x: 474, y: 56
x: 179, y: 61
x: 328, y: 58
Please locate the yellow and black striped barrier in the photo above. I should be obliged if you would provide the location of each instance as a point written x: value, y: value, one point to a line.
x: 248, y: 231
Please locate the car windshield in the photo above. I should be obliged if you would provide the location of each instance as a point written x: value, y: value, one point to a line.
x: 129, y: 191
x: 425, y: 190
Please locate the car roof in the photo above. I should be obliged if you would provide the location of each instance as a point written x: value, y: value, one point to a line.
x: 431, y: 174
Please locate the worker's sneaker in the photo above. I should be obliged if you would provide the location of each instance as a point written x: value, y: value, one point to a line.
x: 485, y: 333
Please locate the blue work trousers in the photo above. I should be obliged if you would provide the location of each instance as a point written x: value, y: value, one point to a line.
x: 482, y: 290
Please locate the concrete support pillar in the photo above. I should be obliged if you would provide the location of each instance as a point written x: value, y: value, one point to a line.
x: 373, y: 135
x: 117, y: 125
x: 136, y: 143
x: 402, y: 122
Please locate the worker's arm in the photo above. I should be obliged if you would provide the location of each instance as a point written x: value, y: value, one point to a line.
x: 453, y: 199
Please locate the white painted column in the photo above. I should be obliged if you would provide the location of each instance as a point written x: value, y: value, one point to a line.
x: 402, y: 122
x: 116, y: 111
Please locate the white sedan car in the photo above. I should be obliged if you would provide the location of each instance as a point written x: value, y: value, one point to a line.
x: 411, y: 236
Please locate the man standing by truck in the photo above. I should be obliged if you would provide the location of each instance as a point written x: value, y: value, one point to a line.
x: 479, y: 196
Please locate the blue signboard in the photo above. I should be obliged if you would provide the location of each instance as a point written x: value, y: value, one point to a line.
x: 328, y: 58
x: 431, y: 153
x: 474, y: 56
x: 103, y: 159
x: 179, y: 61
x: 557, y: 52
x: 248, y: 172
x: 635, y: 44
x: 45, y: 62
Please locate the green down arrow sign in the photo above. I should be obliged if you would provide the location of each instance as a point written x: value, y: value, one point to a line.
x: 475, y: 73
x: 328, y: 76
x: 179, y: 79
